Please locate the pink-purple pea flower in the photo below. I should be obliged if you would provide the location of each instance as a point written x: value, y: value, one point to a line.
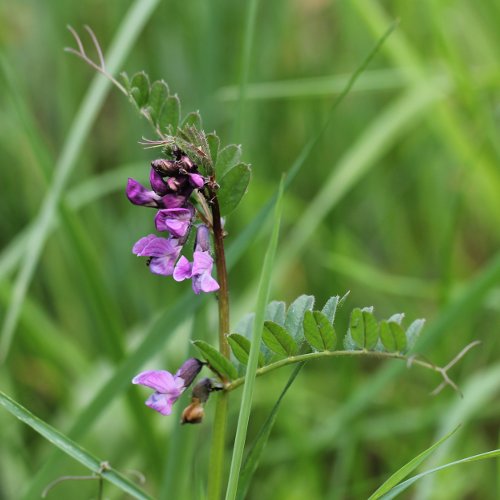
x: 163, y: 253
x: 200, y: 270
x: 168, y: 388
x: 177, y: 221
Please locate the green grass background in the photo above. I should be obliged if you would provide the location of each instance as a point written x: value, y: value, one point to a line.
x: 398, y: 203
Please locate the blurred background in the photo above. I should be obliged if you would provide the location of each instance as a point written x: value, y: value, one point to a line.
x: 399, y: 202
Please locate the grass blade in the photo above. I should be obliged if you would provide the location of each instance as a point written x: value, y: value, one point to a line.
x: 246, y: 401
x: 130, y: 28
x: 398, y: 476
x: 405, y: 485
x: 71, y: 448
x: 255, y: 452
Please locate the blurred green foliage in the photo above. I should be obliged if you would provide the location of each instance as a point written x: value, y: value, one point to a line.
x: 398, y: 203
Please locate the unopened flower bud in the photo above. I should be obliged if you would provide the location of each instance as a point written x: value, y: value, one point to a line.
x: 189, y: 370
x: 202, y: 239
x: 186, y: 162
x: 165, y: 167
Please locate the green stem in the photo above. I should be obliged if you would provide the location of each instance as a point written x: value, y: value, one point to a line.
x: 326, y: 354
x: 216, y: 466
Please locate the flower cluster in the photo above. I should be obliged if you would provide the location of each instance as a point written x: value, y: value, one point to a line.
x: 172, y: 183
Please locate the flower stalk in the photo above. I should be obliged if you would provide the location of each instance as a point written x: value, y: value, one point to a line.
x: 216, y: 468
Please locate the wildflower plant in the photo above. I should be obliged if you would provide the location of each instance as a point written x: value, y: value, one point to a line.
x: 194, y: 184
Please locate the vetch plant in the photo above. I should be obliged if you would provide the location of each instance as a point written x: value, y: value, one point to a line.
x: 194, y: 184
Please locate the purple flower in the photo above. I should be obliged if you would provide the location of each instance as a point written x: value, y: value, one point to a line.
x: 175, y: 220
x: 196, y: 180
x: 163, y: 252
x: 168, y: 387
x: 200, y: 271
x: 157, y: 183
x: 139, y: 195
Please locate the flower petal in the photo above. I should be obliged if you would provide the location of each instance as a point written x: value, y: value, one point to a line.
x: 154, y: 246
x: 204, y: 283
x: 161, y: 403
x: 202, y: 239
x: 139, y: 195
x: 175, y: 220
x: 196, y: 180
x: 189, y: 370
x: 161, y: 381
x: 182, y: 270
x: 173, y: 200
x: 157, y: 183
x: 140, y: 245
x: 202, y: 262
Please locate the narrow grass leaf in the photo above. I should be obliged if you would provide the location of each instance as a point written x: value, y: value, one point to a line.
x: 254, y: 454
x: 246, y: 400
x: 68, y: 446
x: 406, y: 484
x: 318, y: 331
x: 398, y: 476
x: 220, y: 364
x: 392, y: 336
x: 278, y: 339
x: 233, y: 186
x: 130, y: 28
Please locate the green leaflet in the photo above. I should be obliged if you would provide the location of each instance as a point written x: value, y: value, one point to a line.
x: 413, y: 333
x: 318, y: 331
x: 228, y: 157
x: 295, y: 316
x: 364, y: 328
x: 157, y: 97
x: 139, y: 89
x: 240, y: 346
x: 392, y: 336
x: 233, y: 186
x: 330, y: 308
x: 217, y: 362
x: 170, y: 114
x: 213, y: 142
x: 276, y: 311
x: 192, y: 119
x: 278, y: 339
